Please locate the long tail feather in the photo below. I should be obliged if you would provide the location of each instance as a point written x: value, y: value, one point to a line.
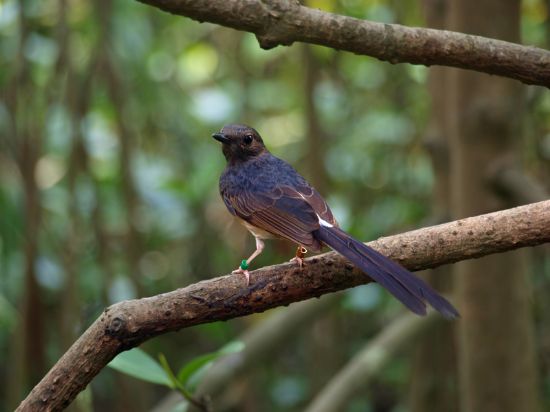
x: 412, y: 291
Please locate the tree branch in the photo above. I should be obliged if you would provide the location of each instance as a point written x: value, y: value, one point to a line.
x: 262, y: 342
x: 512, y: 183
x: 366, y: 364
x: 282, y: 22
x: 128, y: 324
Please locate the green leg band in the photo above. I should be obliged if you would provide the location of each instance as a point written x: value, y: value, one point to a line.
x: 244, y: 265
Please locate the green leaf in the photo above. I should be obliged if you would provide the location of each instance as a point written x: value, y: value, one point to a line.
x: 190, y: 372
x: 180, y: 407
x: 232, y: 347
x: 176, y: 384
x: 139, y: 364
x: 168, y: 370
x: 195, y: 365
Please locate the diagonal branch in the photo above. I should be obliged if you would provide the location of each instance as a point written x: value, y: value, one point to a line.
x: 128, y: 324
x: 282, y: 22
x: 368, y: 363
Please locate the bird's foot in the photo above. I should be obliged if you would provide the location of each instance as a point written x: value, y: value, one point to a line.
x: 299, y: 260
x: 300, y: 252
x: 245, y: 272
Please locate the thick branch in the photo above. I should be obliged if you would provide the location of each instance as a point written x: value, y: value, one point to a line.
x: 282, y: 22
x: 127, y: 324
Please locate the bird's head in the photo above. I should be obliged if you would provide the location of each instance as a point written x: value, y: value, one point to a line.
x: 240, y: 142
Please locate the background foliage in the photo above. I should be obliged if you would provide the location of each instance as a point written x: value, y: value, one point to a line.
x: 108, y: 179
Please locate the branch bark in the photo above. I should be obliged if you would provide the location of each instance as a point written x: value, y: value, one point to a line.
x: 282, y: 22
x: 128, y: 324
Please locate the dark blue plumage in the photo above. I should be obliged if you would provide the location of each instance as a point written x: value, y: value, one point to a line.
x: 273, y: 200
x: 409, y: 289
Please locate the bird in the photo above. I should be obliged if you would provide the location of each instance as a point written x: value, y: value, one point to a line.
x: 273, y: 200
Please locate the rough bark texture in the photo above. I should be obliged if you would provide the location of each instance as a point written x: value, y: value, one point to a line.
x: 127, y: 324
x: 496, y: 350
x: 282, y: 22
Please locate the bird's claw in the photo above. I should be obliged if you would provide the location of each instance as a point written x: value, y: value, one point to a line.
x: 300, y: 252
x: 299, y: 260
x: 245, y: 272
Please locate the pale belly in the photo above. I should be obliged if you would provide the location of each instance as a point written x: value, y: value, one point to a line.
x: 256, y: 231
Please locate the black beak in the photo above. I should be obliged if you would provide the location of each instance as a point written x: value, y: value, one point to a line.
x: 220, y: 137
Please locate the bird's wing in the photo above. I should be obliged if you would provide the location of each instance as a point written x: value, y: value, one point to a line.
x: 284, y: 212
x: 315, y: 200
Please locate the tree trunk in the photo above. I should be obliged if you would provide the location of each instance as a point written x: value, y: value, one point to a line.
x: 29, y: 362
x: 324, y: 335
x: 496, y: 355
x: 433, y: 383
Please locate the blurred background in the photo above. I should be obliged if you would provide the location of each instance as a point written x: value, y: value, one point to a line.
x: 109, y: 191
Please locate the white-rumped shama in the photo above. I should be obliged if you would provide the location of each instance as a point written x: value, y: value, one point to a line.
x: 274, y: 200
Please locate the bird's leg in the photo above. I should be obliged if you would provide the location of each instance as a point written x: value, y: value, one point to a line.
x: 300, y: 252
x: 243, y: 268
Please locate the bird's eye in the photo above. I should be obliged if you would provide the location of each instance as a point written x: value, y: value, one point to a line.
x: 248, y: 139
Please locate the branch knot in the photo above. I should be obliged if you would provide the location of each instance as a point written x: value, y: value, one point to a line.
x: 276, y: 31
x: 116, y: 326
